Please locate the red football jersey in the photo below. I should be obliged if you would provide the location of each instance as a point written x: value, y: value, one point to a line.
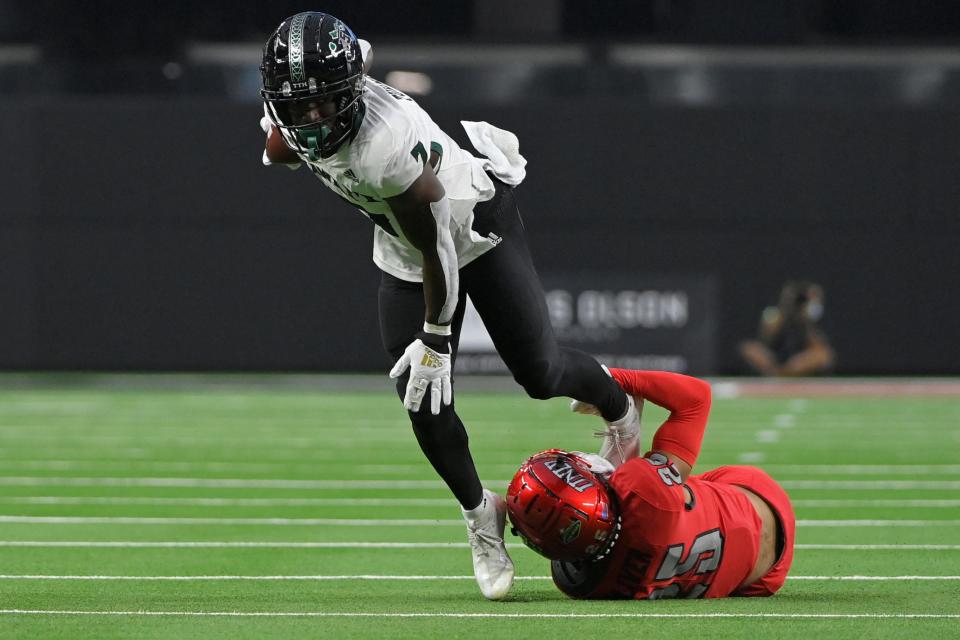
x: 669, y: 547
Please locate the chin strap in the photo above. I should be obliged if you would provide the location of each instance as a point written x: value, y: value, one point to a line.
x: 313, y: 143
x: 312, y: 139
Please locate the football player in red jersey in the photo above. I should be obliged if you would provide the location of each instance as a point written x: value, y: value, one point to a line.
x: 624, y: 526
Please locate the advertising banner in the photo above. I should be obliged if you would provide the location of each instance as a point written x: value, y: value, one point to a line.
x: 663, y: 322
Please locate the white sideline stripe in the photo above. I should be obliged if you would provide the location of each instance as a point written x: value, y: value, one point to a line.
x: 370, y: 522
x: 233, y: 483
x: 856, y: 469
x: 238, y: 502
x: 136, y: 544
x: 402, y: 614
x: 247, y: 483
x: 877, y: 578
x: 934, y: 504
x: 401, y: 484
x: 396, y: 502
x: 361, y: 577
x: 247, y: 578
x: 406, y: 469
x: 282, y: 522
x: 878, y: 523
x: 878, y: 547
x: 870, y: 484
x: 193, y: 466
x: 220, y: 544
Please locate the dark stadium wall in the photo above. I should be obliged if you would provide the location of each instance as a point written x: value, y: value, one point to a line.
x: 151, y: 238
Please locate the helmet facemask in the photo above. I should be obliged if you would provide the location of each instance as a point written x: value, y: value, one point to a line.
x: 312, y: 63
x: 318, y: 137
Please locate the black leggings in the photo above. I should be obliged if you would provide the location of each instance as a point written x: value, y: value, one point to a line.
x: 505, y: 289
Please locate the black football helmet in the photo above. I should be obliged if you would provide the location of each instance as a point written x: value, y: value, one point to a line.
x: 313, y: 82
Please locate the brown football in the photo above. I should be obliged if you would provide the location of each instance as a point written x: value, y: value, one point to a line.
x: 277, y: 150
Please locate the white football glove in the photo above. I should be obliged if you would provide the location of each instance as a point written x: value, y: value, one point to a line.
x: 429, y: 369
x: 598, y: 464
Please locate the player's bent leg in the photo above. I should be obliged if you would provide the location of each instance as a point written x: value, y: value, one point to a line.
x: 545, y: 371
x: 577, y: 375
x: 507, y: 293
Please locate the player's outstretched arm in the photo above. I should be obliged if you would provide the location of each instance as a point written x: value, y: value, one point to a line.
x: 688, y: 400
x: 423, y: 214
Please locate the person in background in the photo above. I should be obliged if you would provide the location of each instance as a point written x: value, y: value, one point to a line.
x: 790, y: 342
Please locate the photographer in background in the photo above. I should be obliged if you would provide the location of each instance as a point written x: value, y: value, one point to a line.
x: 789, y: 342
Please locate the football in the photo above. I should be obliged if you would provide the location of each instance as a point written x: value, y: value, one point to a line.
x: 277, y: 150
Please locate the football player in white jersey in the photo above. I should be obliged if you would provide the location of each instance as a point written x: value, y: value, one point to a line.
x: 447, y: 225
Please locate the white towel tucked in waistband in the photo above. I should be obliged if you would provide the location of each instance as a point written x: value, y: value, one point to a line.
x: 501, y: 148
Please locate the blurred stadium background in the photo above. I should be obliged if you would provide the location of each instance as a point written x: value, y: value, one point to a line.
x: 686, y: 157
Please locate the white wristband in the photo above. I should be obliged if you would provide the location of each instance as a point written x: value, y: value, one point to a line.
x: 437, y: 329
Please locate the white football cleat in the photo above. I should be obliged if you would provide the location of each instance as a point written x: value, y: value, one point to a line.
x: 492, y: 565
x: 621, y: 439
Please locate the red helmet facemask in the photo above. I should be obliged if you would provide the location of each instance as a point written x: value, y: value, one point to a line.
x: 560, y: 509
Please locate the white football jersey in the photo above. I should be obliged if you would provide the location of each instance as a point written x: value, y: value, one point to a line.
x: 388, y: 154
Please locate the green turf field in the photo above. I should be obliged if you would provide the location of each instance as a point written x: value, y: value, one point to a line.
x: 272, y: 511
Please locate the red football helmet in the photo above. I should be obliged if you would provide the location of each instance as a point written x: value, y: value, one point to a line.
x: 562, y: 510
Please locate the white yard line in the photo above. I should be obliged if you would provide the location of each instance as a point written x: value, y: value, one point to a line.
x: 236, y: 502
x: 404, y: 578
x: 873, y: 578
x: 870, y: 484
x: 239, y: 544
x: 399, y: 484
x: 403, y: 614
x: 279, y: 522
x: 385, y: 522
x: 877, y: 547
x: 228, y: 483
x: 192, y: 466
x: 925, y: 503
x: 396, y: 502
x: 233, y: 578
x: 857, y: 469
x: 767, y: 436
x: 157, y: 466
x: 878, y: 523
x: 231, y: 544
x: 30, y: 438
